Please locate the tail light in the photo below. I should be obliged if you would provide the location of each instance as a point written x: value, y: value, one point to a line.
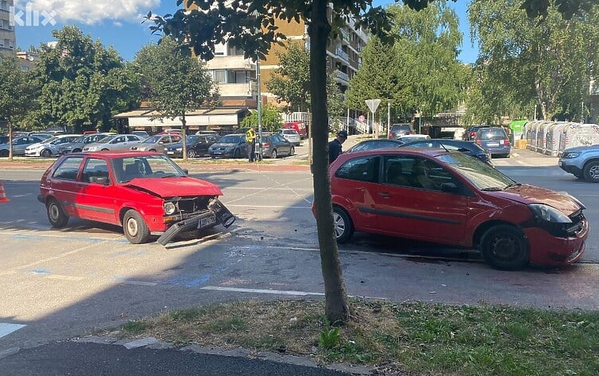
x: 265, y: 145
x: 391, y: 135
x: 506, y: 142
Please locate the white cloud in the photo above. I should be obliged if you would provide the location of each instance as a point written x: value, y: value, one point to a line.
x: 92, y: 12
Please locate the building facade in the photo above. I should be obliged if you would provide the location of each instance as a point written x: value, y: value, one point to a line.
x: 7, y: 29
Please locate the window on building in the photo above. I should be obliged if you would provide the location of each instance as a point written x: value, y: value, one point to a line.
x: 219, y: 76
x: 4, y: 5
x: 234, y: 51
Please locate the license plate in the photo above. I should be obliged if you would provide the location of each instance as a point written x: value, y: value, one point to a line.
x: 170, y: 152
x: 203, y: 222
x: 492, y: 145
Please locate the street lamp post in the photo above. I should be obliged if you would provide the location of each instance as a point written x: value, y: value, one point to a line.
x: 259, y: 108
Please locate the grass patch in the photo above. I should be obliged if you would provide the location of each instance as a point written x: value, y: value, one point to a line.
x: 429, y: 339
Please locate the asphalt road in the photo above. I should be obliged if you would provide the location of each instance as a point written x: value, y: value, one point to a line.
x: 61, y: 284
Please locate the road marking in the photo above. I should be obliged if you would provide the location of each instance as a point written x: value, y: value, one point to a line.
x: 6, y: 329
x: 262, y: 291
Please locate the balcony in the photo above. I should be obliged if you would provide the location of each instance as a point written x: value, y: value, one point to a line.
x: 245, y: 89
x: 230, y: 62
x: 341, y: 77
x: 342, y: 54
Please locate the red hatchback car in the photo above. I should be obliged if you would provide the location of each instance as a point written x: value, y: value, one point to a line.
x: 454, y: 199
x: 144, y: 192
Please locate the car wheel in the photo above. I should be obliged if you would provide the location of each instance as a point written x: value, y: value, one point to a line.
x: 56, y: 215
x: 505, y: 247
x: 46, y: 153
x: 135, y: 228
x: 237, y: 153
x: 273, y: 154
x: 191, y: 153
x: 3, y: 153
x: 77, y: 151
x: 591, y: 172
x: 343, y: 226
x: 292, y: 150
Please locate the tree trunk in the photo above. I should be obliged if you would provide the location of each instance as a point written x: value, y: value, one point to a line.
x: 10, y: 139
x: 336, y: 308
x: 184, y: 136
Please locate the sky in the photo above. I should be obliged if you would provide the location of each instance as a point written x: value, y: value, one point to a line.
x: 118, y: 23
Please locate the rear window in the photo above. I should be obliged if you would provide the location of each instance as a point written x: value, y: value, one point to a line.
x: 492, y: 134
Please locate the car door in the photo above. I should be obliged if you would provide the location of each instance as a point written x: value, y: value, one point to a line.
x: 63, y: 182
x: 281, y: 144
x: 407, y: 208
x: 96, y: 192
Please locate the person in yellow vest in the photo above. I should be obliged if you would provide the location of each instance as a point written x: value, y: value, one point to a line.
x: 250, y: 139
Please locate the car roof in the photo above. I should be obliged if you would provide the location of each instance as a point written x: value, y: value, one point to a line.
x: 411, y: 151
x: 115, y: 154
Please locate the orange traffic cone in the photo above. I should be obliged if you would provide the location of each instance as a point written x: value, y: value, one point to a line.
x: 3, y: 197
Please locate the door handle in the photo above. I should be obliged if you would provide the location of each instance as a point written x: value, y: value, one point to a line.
x: 384, y: 194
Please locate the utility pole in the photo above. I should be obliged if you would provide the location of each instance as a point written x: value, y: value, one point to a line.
x: 388, y: 116
x: 259, y: 107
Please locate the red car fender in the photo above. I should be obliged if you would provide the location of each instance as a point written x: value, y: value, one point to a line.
x: 152, y: 213
x: 514, y: 214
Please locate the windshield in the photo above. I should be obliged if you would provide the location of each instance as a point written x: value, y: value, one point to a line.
x: 107, y: 138
x: 483, y: 176
x: 229, y: 139
x: 145, y: 167
x: 192, y: 139
x: 49, y: 140
x: 152, y: 140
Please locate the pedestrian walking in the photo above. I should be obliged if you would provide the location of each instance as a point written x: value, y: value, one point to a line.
x: 250, y: 139
x: 335, y: 148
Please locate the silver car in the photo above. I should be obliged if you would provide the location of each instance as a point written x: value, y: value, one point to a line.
x: 49, y: 147
x: 158, y: 142
x: 78, y: 144
x: 291, y: 135
x: 582, y: 162
x: 18, y: 145
x: 114, y: 142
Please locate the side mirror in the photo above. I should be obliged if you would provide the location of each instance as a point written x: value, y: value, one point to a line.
x: 449, y: 187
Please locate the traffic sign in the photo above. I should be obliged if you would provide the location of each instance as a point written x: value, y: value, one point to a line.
x: 373, y: 104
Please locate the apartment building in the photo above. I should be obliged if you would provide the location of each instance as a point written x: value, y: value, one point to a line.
x: 7, y: 30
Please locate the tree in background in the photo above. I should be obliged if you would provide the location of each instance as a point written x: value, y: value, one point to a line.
x: 524, y: 62
x: 176, y: 82
x: 290, y: 83
x: 271, y: 118
x: 17, y: 94
x: 250, y: 26
x: 419, y: 70
x: 82, y: 83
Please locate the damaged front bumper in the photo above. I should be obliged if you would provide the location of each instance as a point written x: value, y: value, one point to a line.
x: 217, y: 213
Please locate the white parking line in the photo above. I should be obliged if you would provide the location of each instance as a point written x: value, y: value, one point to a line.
x: 6, y: 329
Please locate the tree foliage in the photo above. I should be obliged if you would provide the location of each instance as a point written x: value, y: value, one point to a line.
x: 250, y: 26
x: 524, y: 62
x: 17, y: 93
x: 271, y: 118
x: 82, y: 83
x: 175, y: 82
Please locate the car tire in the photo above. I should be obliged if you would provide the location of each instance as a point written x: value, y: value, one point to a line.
x: 135, y: 228
x: 56, y: 215
x: 292, y: 150
x: 46, y: 153
x: 591, y: 172
x: 191, y: 153
x: 76, y: 151
x: 3, y: 153
x: 343, y: 226
x: 505, y: 247
x: 237, y: 153
x: 273, y: 154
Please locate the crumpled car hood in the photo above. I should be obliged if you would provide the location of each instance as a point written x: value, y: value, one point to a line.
x: 176, y: 186
x: 530, y: 194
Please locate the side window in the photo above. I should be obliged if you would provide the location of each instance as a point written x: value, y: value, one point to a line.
x: 118, y: 140
x: 362, y: 169
x: 132, y: 138
x: 68, y: 169
x: 398, y: 170
x: 95, y: 171
x: 429, y: 175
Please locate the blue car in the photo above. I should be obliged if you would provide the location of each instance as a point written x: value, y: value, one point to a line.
x: 495, y: 140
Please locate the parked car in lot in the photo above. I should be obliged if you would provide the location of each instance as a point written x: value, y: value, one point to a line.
x: 291, y: 135
x: 231, y: 145
x: 495, y: 140
x: 158, y: 142
x: 79, y: 143
x: 582, y: 162
x: 413, y: 137
x: 141, y: 134
x: 18, y: 145
x: 144, y: 192
x: 470, y: 132
x: 196, y: 146
x: 208, y: 133
x: 50, y: 147
x: 397, y: 130
x: 274, y: 145
x: 451, y: 198
x: 374, y: 144
x: 114, y: 142
x: 466, y: 147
